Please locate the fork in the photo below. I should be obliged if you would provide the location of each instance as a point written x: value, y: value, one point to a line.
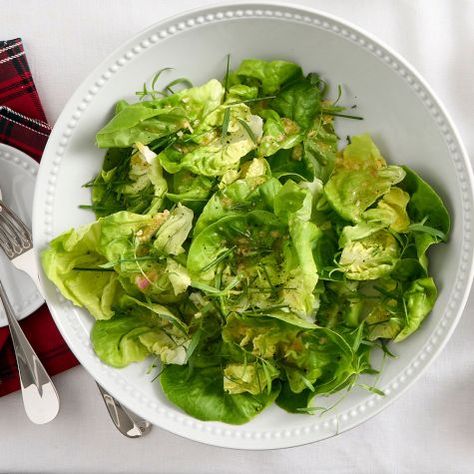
x: 17, y: 243
x: 40, y: 397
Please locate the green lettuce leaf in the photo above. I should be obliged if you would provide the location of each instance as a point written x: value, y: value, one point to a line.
x: 300, y: 101
x: 268, y: 76
x: 207, y: 152
x: 337, y: 361
x: 278, y: 134
x: 130, y: 179
x: 67, y: 254
x: 391, y: 210
x: 293, y: 201
x: 141, y: 329
x: 174, y: 231
x: 358, y: 232
x: 239, y: 197
x: 428, y: 212
x: 371, y: 257
x: 306, y: 360
x: 386, y: 329
x: 148, y: 120
x: 117, y: 341
x: 240, y: 92
x: 360, y: 178
x: 225, y: 235
x: 419, y: 301
x: 200, y: 393
x: 320, y: 148
x: 161, y: 312
x: 191, y: 190
x: 121, y: 232
x: 261, y: 336
x: 292, y: 164
x: 302, y: 274
x: 250, y: 377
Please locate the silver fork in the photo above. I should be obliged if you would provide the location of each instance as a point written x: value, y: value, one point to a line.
x: 16, y: 242
x: 40, y: 397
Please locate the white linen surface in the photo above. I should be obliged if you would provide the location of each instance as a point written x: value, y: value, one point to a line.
x: 430, y: 429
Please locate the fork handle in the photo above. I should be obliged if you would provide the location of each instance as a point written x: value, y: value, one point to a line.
x: 40, y: 397
x: 129, y: 424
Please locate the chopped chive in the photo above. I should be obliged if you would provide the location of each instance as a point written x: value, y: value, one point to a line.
x: 386, y: 350
x: 268, y: 377
x: 126, y: 260
x: 268, y: 308
x: 180, y: 81
x: 267, y: 277
x: 256, y: 99
x: 93, y: 207
x: 371, y: 389
x: 153, y: 92
x: 226, y: 77
x: 225, y: 124
x: 339, y: 94
x: 421, y: 227
x: 311, y: 410
x: 248, y: 130
x: 85, y: 269
x: 308, y: 383
x: 219, y: 259
x: 335, y: 114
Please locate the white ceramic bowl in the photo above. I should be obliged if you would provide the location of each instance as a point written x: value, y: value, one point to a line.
x: 402, y: 114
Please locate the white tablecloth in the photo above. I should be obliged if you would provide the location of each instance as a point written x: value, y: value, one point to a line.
x: 428, y: 430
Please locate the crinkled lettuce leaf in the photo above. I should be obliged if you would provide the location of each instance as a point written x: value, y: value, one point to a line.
x: 278, y: 134
x: 228, y: 234
x: 391, y: 211
x: 95, y: 263
x: 359, y: 178
x: 212, y: 151
x: 140, y: 330
x: 191, y: 190
x: 62, y: 263
x: 149, y: 120
x: 268, y: 76
x: 174, y: 231
x: 300, y: 101
x: 293, y: 202
x: 320, y: 147
x: 254, y: 189
x: 428, y: 213
x: 419, y: 301
x: 371, y: 257
x: 252, y: 377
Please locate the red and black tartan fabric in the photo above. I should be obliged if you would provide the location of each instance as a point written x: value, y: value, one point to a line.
x: 23, y: 126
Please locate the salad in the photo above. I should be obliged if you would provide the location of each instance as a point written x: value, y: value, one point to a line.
x: 237, y: 243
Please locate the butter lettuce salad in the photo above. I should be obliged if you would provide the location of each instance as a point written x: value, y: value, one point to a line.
x: 251, y: 256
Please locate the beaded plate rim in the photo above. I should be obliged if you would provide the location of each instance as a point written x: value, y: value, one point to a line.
x: 66, y: 317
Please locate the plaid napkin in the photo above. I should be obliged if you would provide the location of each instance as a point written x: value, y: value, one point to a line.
x: 23, y: 125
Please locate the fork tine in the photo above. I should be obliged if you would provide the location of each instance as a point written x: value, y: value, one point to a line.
x: 9, y: 230
x: 14, y: 221
x: 6, y: 244
x: 15, y: 237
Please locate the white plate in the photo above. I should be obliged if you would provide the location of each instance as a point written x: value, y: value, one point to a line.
x: 17, y: 182
x: 400, y: 111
